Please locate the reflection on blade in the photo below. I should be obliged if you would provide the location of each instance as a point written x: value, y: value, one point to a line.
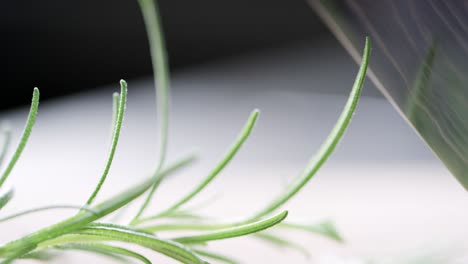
x: 419, y: 62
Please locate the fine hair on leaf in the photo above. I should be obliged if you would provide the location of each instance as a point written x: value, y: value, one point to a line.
x: 115, y: 137
x: 24, y: 138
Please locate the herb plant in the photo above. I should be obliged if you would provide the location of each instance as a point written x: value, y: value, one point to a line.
x: 89, y: 229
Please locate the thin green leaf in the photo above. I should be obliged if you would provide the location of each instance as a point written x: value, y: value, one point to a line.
x: 102, y: 234
x: 281, y: 242
x: 185, y: 227
x: 107, y: 250
x: 166, y: 247
x: 215, y: 256
x: 40, y: 255
x: 28, y: 243
x: 240, y: 230
x: 70, y: 239
x: 6, y: 197
x: 326, y: 229
x: 87, y: 248
x: 150, y: 11
x: 232, y: 151
x: 80, y: 238
x: 6, y: 131
x: 45, y: 208
x: 110, y: 225
x: 24, y: 138
x: 328, y: 146
x: 115, y: 109
x: 115, y: 140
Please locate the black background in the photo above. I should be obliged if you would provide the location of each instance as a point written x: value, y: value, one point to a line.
x: 68, y: 46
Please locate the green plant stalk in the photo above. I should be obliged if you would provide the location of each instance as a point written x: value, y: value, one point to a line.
x: 24, y: 138
x: 232, y: 151
x: 28, y: 243
x: 115, y: 140
x: 159, y: 61
x: 328, y: 146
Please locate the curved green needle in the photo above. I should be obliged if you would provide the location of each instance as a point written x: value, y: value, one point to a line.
x: 157, y: 44
x: 232, y: 151
x: 169, y: 248
x: 24, y: 138
x: 240, y: 230
x: 115, y: 140
x: 328, y: 146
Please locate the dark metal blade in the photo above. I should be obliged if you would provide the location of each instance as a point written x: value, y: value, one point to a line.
x: 419, y: 62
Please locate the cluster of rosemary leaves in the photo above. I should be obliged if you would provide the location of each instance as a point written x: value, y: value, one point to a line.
x: 86, y: 230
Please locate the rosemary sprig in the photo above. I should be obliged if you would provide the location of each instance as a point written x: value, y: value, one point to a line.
x: 82, y: 231
x: 24, y: 138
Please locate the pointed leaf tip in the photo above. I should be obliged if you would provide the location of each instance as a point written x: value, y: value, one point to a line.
x: 35, y: 92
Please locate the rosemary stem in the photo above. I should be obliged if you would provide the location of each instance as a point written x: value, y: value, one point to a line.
x: 150, y: 11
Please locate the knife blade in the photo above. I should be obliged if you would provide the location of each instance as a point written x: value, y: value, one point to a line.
x: 419, y: 62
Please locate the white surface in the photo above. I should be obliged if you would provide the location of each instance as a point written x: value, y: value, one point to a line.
x: 382, y: 187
